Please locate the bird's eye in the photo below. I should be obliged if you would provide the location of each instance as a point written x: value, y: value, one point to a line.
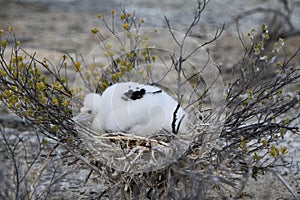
x: 89, y: 111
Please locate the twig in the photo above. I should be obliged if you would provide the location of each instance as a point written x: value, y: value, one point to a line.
x: 283, y: 181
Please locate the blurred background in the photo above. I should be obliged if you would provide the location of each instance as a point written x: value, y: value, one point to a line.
x: 52, y: 26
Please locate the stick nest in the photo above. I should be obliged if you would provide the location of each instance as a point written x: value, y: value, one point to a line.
x: 132, y: 153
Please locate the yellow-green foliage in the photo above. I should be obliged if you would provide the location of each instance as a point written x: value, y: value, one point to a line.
x: 123, y: 60
x: 26, y: 90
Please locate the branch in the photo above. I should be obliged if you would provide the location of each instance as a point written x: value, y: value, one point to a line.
x: 290, y: 189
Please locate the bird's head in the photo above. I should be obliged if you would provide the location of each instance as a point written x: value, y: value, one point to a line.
x: 90, y: 107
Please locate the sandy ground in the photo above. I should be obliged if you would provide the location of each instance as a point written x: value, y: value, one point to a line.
x: 50, y: 31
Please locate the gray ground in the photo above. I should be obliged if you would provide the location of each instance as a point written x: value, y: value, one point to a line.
x: 53, y: 28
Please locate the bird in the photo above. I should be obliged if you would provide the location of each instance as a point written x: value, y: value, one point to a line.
x: 132, y: 107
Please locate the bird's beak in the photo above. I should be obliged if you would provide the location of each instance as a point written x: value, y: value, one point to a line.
x: 82, y: 118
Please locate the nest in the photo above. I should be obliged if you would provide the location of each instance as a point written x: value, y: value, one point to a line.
x: 131, y: 153
x: 191, y: 160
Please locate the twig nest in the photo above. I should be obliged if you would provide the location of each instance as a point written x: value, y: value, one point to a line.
x: 132, y: 153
